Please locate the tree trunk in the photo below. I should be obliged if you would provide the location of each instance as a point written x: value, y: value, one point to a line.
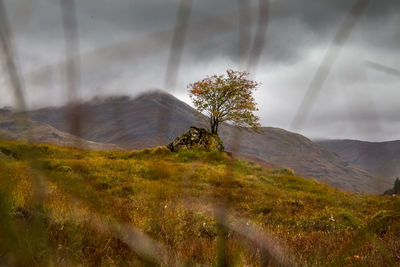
x: 213, y: 125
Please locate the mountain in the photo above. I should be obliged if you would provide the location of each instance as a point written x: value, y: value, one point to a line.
x: 156, y: 118
x: 382, y: 158
x: 129, y: 123
x: 14, y: 128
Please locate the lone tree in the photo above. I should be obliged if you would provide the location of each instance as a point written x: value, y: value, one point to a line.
x: 226, y: 98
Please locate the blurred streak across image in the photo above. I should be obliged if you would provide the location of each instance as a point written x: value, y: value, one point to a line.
x: 152, y: 133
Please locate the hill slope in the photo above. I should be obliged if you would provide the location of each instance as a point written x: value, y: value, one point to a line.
x: 134, y: 124
x: 129, y: 123
x: 13, y: 128
x: 96, y: 208
x: 382, y: 158
x: 309, y: 159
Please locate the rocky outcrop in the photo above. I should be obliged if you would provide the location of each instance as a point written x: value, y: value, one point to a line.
x: 6, y: 153
x: 197, y: 138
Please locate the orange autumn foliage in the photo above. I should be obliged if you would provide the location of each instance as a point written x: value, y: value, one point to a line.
x: 226, y: 98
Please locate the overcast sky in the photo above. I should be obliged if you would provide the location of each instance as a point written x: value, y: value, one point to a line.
x: 125, y: 44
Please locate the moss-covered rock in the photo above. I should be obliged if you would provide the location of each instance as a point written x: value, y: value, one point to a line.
x: 197, y: 138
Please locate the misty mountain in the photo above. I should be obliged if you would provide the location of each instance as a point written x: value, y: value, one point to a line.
x: 14, y: 127
x: 382, y: 158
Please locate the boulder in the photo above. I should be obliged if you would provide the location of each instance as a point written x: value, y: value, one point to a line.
x: 197, y: 138
x: 6, y: 153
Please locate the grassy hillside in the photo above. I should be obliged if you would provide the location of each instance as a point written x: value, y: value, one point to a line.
x: 69, y: 206
x: 307, y: 158
x: 156, y: 118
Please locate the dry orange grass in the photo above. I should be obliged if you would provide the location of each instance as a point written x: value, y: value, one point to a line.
x: 71, y: 206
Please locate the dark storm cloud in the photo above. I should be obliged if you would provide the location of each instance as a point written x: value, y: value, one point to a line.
x: 125, y: 46
x: 296, y: 27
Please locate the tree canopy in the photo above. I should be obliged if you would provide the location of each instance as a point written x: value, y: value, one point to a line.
x: 226, y: 98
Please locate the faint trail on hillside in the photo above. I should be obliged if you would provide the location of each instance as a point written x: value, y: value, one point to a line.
x: 326, y: 65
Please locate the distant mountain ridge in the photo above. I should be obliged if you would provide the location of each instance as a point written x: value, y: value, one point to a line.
x: 382, y: 158
x: 135, y: 124
x: 13, y: 128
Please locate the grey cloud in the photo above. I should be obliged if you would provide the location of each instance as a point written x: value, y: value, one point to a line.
x: 125, y: 46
